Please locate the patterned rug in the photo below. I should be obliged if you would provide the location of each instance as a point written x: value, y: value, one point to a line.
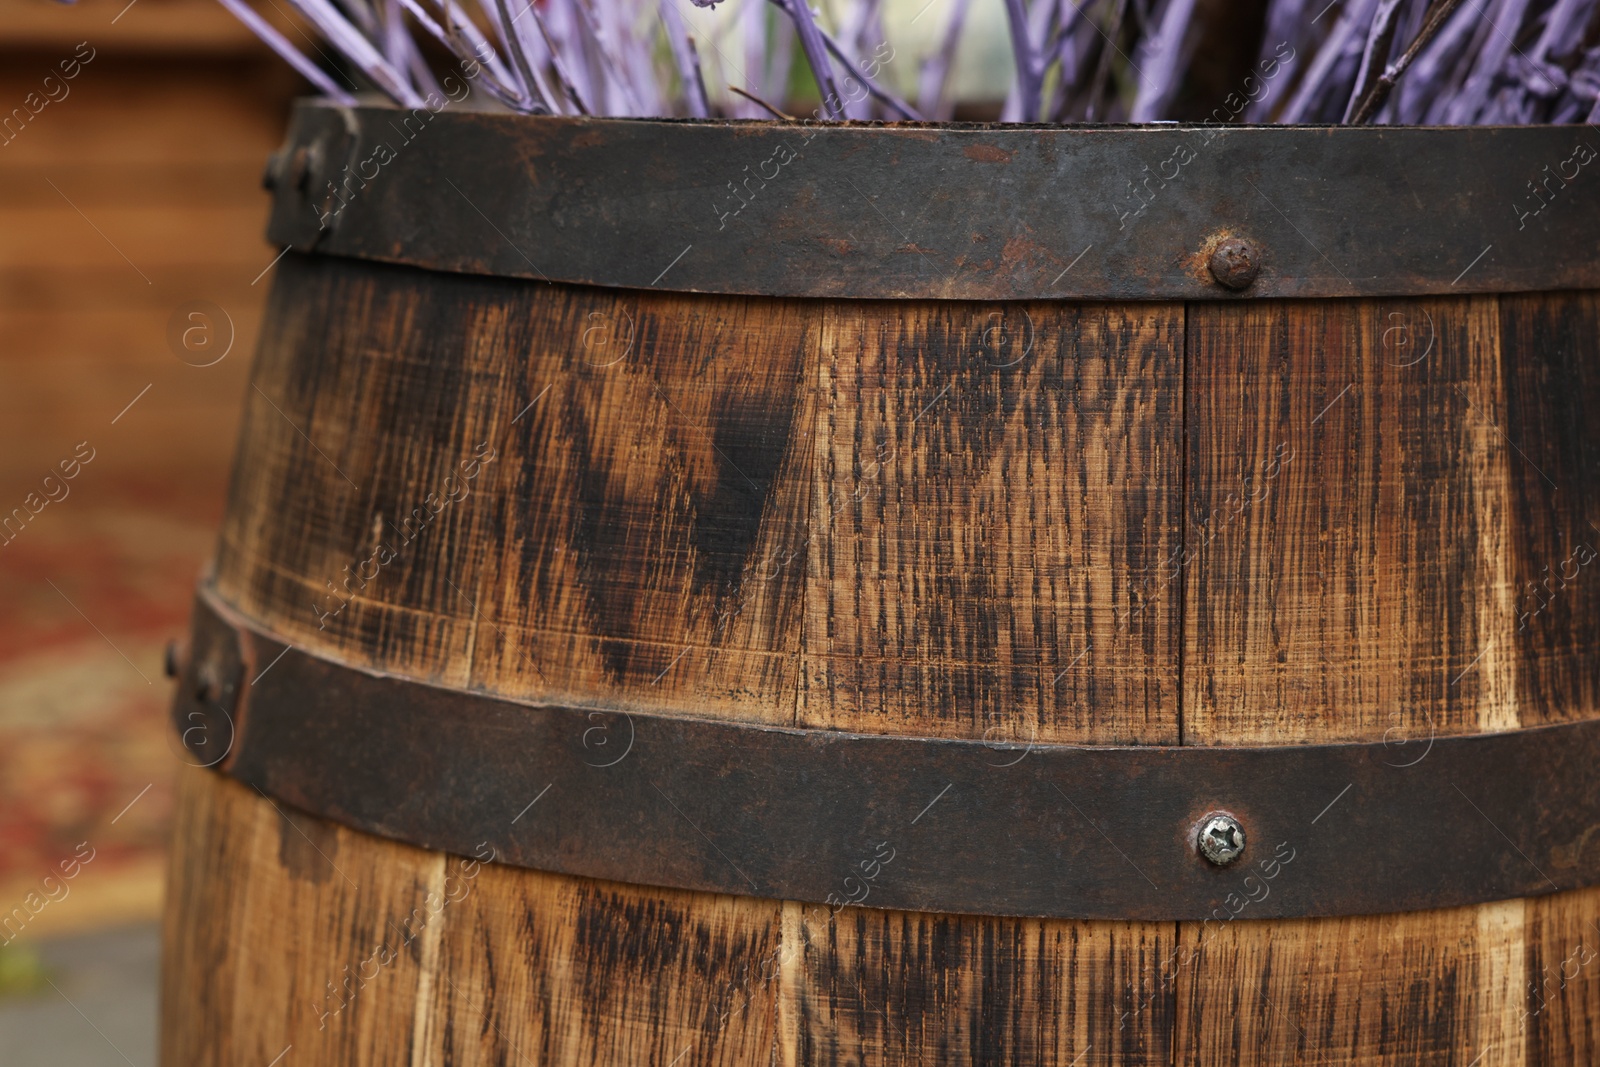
x: 85, y: 763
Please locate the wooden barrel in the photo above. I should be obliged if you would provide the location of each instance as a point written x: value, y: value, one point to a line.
x: 701, y: 593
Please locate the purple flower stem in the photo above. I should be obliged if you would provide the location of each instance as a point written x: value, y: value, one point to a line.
x: 614, y: 69
x: 519, y: 60
x: 873, y: 88
x: 565, y: 79
x: 816, y: 54
x: 1029, y: 76
x: 347, y: 39
x: 280, y: 44
x: 1380, y: 89
x: 496, y: 84
x: 694, y: 86
x: 1161, y: 61
x: 934, y: 83
x: 1380, y: 39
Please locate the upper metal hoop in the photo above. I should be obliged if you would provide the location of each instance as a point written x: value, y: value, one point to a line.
x: 963, y: 212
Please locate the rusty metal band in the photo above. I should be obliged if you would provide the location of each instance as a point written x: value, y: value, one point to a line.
x: 966, y: 212
x: 894, y: 822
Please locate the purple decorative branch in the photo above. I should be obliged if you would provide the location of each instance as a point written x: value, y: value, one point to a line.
x: 1029, y: 69
x: 1482, y: 61
x: 1379, y: 90
x: 1161, y: 62
x: 694, y: 86
x: 279, y: 44
x: 933, y: 95
x: 1380, y: 39
x: 816, y: 54
x: 872, y: 87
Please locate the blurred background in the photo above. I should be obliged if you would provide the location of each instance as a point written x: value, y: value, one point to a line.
x: 128, y: 193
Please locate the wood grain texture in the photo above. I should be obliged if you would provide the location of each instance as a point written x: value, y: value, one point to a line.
x: 992, y: 484
x: 290, y: 934
x: 621, y: 542
x: 1241, y: 523
x: 886, y: 987
x: 288, y: 930
x: 1421, y: 988
x: 644, y: 538
x: 1553, y: 390
x: 1345, y: 561
x: 1360, y: 505
x: 545, y: 969
x: 1548, y: 342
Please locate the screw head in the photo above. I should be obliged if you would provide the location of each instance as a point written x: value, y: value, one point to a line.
x: 1235, y: 263
x: 1221, y: 838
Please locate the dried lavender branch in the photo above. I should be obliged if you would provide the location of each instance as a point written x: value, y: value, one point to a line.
x: 1380, y: 39
x: 1161, y: 62
x: 699, y: 73
x: 362, y: 16
x: 1474, y: 95
x: 762, y: 104
x: 780, y: 53
x: 520, y: 73
x: 350, y: 41
x: 933, y: 83
x: 1430, y: 82
x: 562, y: 74
x: 630, y: 103
x: 559, y: 27
x: 1029, y: 73
x: 457, y: 46
x: 1102, y: 74
x: 1288, y: 23
x: 615, y: 23
x: 519, y: 59
x: 873, y: 89
x: 694, y: 86
x: 468, y: 38
x: 554, y: 97
x: 403, y: 53
x: 1509, y: 61
x: 280, y: 44
x: 1077, y: 37
x: 1321, y: 79
x: 1380, y: 89
x: 816, y: 54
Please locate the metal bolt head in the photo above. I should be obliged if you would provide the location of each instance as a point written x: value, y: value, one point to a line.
x: 300, y: 167
x: 1235, y: 263
x: 1221, y: 838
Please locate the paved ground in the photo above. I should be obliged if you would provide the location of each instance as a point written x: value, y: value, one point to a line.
x: 102, y: 1011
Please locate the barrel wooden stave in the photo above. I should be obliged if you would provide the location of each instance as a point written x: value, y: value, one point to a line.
x: 866, y: 516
